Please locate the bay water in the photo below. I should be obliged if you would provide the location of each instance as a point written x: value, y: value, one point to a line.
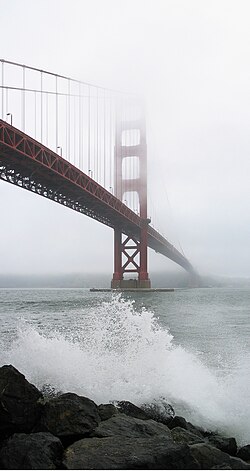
x: 190, y: 347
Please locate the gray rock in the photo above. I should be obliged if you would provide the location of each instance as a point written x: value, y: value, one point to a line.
x: 160, y: 411
x: 221, y: 467
x: 208, y: 457
x: 179, y: 421
x: 34, y: 451
x: 127, y: 453
x: 126, y: 407
x: 244, y: 453
x: 181, y: 435
x: 19, y: 402
x: 106, y: 411
x: 126, y: 426
x: 69, y: 416
x: 226, y: 444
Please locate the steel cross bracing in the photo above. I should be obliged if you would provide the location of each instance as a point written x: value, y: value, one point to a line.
x: 29, y: 164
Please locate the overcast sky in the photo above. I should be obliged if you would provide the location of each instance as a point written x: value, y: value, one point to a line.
x: 191, y: 60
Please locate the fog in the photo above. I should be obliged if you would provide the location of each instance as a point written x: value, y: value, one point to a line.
x: 190, y: 59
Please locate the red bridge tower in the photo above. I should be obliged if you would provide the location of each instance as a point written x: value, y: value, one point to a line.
x: 130, y: 253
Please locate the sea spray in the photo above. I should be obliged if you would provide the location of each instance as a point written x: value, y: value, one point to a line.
x: 114, y: 351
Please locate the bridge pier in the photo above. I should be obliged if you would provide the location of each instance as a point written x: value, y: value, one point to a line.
x: 126, y: 253
x: 132, y: 283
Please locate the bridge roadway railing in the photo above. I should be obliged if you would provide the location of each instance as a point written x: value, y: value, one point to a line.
x: 28, y: 164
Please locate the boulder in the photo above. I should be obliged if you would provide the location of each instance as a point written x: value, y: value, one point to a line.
x: 69, y: 417
x: 34, y: 451
x: 126, y: 426
x: 210, y: 457
x: 119, y: 452
x: 160, y: 411
x: 19, y: 402
x: 181, y: 435
x: 106, y: 411
x: 126, y: 407
x: 179, y: 421
x: 226, y: 444
x: 244, y: 453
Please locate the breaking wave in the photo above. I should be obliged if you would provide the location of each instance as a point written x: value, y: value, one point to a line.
x: 117, y: 352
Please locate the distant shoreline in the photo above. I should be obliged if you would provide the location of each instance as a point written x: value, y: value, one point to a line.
x: 103, y: 280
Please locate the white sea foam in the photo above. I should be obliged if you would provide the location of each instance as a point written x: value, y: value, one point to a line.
x: 118, y: 353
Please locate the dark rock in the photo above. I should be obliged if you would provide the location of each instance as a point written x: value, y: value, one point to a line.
x: 126, y: 426
x: 69, y: 416
x: 118, y: 452
x: 228, y: 445
x: 34, y: 451
x: 181, y: 435
x: 126, y: 407
x: 160, y: 411
x: 244, y: 453
x: 19, y: 402
x: 208, y: 457
x: 106, y: 411
x: 221, y: 467
x: 179, y: 421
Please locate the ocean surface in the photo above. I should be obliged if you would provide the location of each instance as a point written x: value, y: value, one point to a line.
x: 190, y: 347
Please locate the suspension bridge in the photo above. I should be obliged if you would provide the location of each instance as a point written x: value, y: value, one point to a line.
x: 83, y: 146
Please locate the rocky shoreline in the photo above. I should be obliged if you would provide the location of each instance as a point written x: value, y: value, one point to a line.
x: 72, y: 432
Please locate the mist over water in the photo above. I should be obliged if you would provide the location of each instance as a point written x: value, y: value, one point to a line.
x: 118, y: 350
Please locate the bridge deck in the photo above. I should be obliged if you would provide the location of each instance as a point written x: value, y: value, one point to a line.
x: 27, y: 163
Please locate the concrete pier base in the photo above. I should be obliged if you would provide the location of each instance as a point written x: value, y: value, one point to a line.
x: 130, y: 284
x: 131, y: 290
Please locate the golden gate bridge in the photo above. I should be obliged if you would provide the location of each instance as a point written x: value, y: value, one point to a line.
x: 83, y: 146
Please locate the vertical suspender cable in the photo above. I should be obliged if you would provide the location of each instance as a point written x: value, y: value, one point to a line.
x: 94, y: 137
x: 73, y: 125
x: 123, y: 162
x: 111, y: 151
x: 66, y: 124
x: 56, y: 114
x: 7, y: 100
x: 130, y: 138
x: 116, y: 144
x: 41, y: 106
x: 84, y: 131
x: 97, y: 134
x: 2, y: 90
x: 104, y: 139
x: 120, y: 146
x: 69, y: 120
x: 35, y: 115
x: 131, y: 178
x: 47, y: 117
x: 122, y: 142
x: 23, y: 101
x: 134, y: 137
x: 80, y: 126
x: 130, y: 134
x: 75, y: 146
x: 89, y: 131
